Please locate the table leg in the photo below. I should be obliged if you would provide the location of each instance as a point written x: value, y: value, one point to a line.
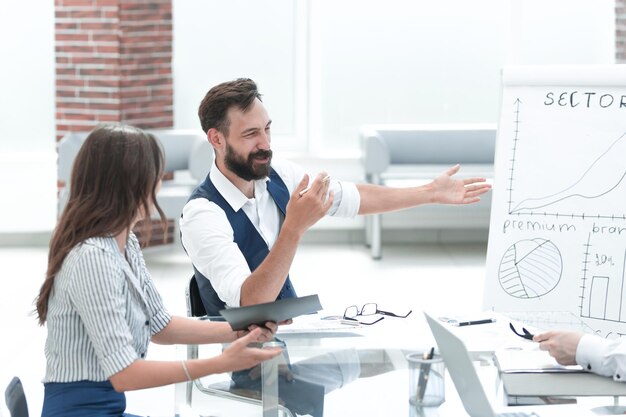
x: 269, y: 374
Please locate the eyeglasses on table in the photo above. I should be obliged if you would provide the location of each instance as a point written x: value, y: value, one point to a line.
x: 368, y: 309
x: 525, y: 335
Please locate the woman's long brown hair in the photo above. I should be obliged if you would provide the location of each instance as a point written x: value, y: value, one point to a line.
x: 114, y: 179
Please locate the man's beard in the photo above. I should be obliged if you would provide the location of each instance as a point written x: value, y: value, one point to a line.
x: 247, y: 169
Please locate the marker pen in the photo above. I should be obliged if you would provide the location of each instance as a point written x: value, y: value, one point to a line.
x: 325, y: 180
x: 473, y: 322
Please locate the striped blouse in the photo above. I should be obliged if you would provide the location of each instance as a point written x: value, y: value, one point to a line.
x: 102, y: 311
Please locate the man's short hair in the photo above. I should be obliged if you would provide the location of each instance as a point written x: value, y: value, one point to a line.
x: 213, y: 110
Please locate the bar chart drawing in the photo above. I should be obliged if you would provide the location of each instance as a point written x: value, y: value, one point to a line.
x: 603, y: 294
x: 530, y: 268
x: 598, y: 297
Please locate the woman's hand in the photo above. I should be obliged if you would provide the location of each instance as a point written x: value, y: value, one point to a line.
x: 239, y: 355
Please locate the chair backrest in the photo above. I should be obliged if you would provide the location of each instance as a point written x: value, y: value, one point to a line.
x: 184, y: 150
x: 16, y: 399
x: 179, y: 147
x: 68, y: 148
x: 195, y: 308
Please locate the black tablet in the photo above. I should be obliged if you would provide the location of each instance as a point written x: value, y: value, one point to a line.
x: 240, y: 318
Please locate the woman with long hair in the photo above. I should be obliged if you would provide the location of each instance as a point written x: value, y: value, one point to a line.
x: 98, y: 301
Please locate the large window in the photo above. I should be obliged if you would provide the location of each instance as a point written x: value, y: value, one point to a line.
x: 398, y: 61
x: 216, y: 41
x: 326, y: 67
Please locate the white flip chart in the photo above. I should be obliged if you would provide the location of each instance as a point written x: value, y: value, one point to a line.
x: 557, y: 238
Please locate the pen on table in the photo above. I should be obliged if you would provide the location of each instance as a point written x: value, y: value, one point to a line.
x: 324, y: 181
x: 423, y: 378
x: 473, y: 322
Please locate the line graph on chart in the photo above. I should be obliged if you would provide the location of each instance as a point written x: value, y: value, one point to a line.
x: 589, y: 185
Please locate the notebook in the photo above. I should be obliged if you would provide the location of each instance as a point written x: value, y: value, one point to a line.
x: 535, y: 373
x: 468, y: 385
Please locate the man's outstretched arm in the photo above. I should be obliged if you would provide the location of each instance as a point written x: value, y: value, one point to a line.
x: 442, y: 190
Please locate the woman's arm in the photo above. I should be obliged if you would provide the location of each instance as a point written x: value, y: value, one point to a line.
x: 188, y: 331
x: 149, y: 374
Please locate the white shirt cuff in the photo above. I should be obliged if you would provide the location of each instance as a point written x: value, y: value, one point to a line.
x: 591, y: 354
x: 350, y: 200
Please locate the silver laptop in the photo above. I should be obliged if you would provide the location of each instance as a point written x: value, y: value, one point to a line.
x: 463, y: 374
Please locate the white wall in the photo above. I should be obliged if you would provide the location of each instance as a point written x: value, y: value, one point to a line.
x: 562, y: 32
x: 26, y: 76
x: 325, y: 67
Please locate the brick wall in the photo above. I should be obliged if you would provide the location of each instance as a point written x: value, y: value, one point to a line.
x: 113, y: 63
x: 620, y: 31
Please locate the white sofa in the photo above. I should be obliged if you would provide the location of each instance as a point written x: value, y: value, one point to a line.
x: 408, y: 155
x: 188, y: 155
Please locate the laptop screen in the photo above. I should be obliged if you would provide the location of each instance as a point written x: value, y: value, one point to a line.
x: 461, y: 369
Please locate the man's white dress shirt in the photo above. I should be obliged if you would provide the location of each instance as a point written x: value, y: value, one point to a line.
x: 208, y: 236
x: 602, y: 356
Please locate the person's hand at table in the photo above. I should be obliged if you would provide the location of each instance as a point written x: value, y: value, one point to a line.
x: 243, y: 353
x: 561, y: 345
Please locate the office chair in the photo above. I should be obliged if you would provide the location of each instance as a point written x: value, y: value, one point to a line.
x: 195, y: 308
x: 16, y: 399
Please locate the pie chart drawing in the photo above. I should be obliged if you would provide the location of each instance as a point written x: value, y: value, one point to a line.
x: 530, y: 268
